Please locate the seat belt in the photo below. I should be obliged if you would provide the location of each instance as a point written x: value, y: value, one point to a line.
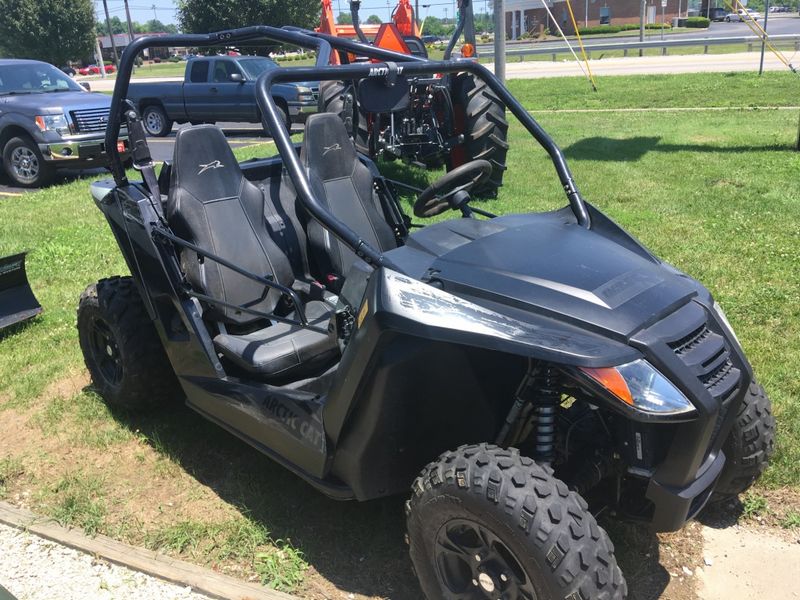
x: 142, y: 160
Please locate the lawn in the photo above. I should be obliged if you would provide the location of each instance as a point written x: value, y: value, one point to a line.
x: 713, y: 192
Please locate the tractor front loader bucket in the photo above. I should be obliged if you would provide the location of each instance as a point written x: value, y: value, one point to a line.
x: 17, y: 302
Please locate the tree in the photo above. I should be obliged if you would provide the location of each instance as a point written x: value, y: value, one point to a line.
x: 117, y: 26
x: 374, y: 20
x: 54, y: 31
x: 344, y: 19
x: 204, y: 16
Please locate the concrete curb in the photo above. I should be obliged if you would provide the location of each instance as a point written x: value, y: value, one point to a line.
x: 204, y: 581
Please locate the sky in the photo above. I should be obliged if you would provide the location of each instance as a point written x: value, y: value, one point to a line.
x: 142, y: 10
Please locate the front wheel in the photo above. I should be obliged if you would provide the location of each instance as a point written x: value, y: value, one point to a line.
x: 484, y: 522
x: 749, y: 445
x: 25, y: 164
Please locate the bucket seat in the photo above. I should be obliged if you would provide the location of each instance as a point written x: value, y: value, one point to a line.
x: 212, y: 205
x: 346, y: 187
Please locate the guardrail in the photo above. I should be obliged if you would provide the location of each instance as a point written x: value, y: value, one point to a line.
x: 552, y: 48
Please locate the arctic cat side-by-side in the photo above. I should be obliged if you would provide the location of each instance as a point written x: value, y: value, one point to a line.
x: 514, y: 373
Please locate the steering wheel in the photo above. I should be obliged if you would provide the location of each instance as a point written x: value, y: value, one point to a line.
x: 435, y: 199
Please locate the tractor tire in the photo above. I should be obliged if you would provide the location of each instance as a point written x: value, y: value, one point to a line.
x: 121, y: 347
x: 485, y: 128
x: 337, y: 97
x: 484, y: 522
x: 748, y: 447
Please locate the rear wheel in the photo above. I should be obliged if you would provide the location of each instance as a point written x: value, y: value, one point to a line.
x: 485, y: 128
x: 749, y: 445
x: 121, y: 347
x: 25, y: 165
x: 156, y: 122
x: 484, y: 522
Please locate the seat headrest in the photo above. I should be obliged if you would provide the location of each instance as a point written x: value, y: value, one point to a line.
x: 204, y: 165
x: 327, y: 148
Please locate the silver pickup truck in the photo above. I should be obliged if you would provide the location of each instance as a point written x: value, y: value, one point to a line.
x: 47, y: 122
x: 218, y: 88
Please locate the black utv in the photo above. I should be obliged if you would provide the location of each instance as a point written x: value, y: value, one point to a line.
x: 510, y: 371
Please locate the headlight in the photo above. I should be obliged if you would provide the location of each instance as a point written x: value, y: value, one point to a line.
x: 52, y: 123
x: 725, y: 322
x: 304, y: 94
x: 641, y: 386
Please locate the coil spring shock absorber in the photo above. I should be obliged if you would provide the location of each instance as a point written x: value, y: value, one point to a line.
x: 546, y: 405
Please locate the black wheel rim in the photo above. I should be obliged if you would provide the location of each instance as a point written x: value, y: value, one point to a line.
x: 105, y: 352
x: 473, y: 563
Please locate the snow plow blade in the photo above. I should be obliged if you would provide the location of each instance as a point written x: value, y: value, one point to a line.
x: 17, y: 302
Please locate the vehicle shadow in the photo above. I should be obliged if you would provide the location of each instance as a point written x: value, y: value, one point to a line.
x: 634, y: 148
x: 358, y: 547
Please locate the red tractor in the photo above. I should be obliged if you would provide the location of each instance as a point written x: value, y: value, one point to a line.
x: 451, y: 120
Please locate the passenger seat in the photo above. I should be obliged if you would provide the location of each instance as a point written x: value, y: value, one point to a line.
x: 212, y: 205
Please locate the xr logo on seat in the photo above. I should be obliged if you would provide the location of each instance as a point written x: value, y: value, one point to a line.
x: 215, y: 164
x: 327, y: 149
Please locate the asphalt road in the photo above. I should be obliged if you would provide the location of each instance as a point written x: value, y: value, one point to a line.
x: 779, y: 24
x: 239, y: 135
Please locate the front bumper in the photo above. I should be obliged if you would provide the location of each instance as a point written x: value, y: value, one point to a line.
x: 299, y: 111
x: 695, y: 351
x: 80, y: 152
x: 675, y: 505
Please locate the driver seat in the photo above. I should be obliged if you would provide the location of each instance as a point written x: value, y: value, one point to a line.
x: 346, y: 187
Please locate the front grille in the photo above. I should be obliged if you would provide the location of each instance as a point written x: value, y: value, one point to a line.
x: 315, y: 92
x: 708, y: 356
x: 90, y: 120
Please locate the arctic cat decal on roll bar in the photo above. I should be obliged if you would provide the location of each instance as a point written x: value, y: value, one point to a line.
x: 383, y: 71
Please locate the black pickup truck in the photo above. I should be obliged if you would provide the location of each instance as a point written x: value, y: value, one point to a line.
x: 218, y: 88
x: 47, y: 121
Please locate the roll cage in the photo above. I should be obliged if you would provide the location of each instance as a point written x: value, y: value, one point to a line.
x: 393, y: 65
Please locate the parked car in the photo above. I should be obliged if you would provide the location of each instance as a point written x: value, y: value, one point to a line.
x: 718, y: 14
x: 742, y: 15
x: 95, y: 70
x: 48, y: 121
x: 218, y: 88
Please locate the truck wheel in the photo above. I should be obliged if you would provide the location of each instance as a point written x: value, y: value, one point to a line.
x: 156, y: 122
x: 484, y: 522
x: 25, y: 164
x: 121, y: 347
x: 485, y: 128
x: 338, y: 98
x: 749, y: 445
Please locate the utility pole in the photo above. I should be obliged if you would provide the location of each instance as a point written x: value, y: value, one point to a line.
x: 586, y: 15
x: 416, y: 12
x: 98, y: 55
x: 155, y: 18
x: 500, y: 41
x: 130, y: 25
x: 111, y: 35
x: 642, y: 10
x: 764, y: 38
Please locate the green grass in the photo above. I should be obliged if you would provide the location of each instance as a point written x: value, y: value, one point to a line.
x: 77, y: 501
x: 714, y: 193
x: 663, y: 91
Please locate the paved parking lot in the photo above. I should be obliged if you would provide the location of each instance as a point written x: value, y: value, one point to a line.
x: 239, y: 135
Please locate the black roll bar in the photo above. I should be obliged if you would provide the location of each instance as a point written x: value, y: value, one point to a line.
x: 323, y: 44
x: 256, y: 33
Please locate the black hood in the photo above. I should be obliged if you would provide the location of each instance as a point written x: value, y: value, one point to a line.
x: 547, y: 265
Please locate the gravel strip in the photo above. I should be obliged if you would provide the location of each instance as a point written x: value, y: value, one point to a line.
x: 32, y: 568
